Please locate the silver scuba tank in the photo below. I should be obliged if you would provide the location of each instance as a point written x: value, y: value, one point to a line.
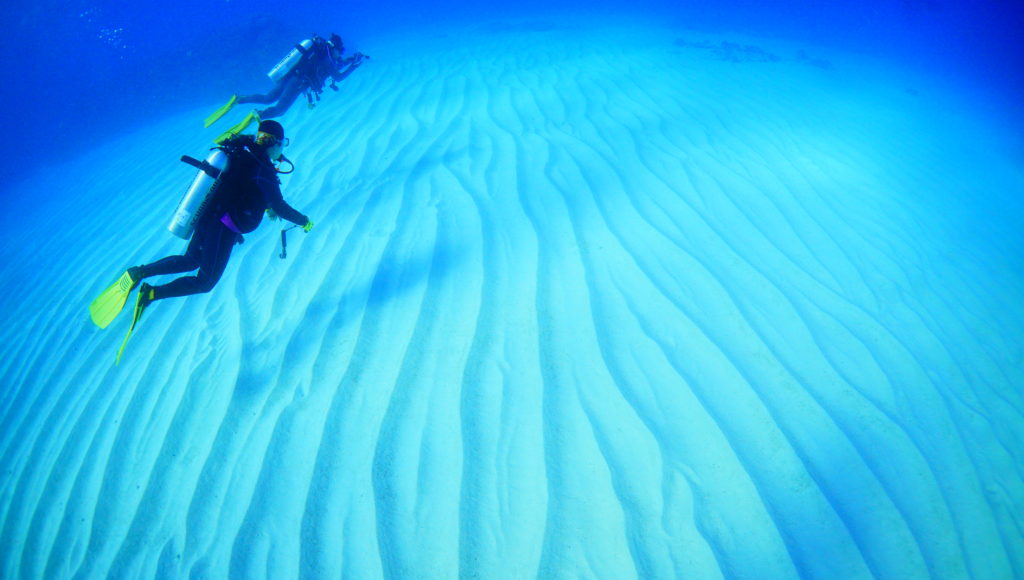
x: 289, y: 61
x: 199, y: 193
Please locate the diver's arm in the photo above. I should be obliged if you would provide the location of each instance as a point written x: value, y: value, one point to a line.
x: 272, y: 193
x: 281, y: 208
x: 353, y: 64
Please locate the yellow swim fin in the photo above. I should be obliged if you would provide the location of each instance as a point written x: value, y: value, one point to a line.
x: 237, y: 129
x: 145, y: 297
x: 105, y: 308
x: 221, y: 111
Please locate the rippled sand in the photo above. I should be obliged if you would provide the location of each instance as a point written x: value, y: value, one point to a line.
x: 578, y: 303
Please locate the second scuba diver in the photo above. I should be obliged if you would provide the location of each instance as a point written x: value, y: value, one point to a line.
x: 304, y: 70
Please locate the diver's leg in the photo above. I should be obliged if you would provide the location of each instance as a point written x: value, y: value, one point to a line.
x: 270, y: 97
x: 210, y: 254
x: 290, y: 90
x: 168, y: 265
x: 184, y: 263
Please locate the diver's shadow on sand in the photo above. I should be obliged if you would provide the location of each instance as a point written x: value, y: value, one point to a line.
x: 398, y: 276
x: 395, y: 277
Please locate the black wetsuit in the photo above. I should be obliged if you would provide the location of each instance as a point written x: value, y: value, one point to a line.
x: 249, y: 188
x: 309, y: 75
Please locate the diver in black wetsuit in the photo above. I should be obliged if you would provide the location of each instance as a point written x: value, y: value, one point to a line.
x: 250, y: 186
x: 247, y: 188
x: 322, y: 61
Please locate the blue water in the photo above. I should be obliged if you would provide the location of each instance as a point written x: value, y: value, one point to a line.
x: 78, y: 72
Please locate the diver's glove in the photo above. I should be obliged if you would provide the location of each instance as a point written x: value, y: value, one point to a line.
x: 271, y: 214
x: 308, y: 226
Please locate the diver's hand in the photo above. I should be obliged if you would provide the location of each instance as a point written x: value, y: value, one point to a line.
x: 308, y: 226
x: 271, y: 214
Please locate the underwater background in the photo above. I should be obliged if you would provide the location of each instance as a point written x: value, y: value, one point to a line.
x: 82, y: 70
x: 602, y: 290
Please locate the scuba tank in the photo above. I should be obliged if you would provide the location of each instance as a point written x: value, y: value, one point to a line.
x: 199, y: 194
x: 290, y: 60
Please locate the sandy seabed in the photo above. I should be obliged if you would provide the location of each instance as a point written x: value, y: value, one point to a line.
x: 579, y: 302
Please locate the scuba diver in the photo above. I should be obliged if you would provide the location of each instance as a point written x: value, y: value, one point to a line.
x: 234, y: 205
x: 305, y: 69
